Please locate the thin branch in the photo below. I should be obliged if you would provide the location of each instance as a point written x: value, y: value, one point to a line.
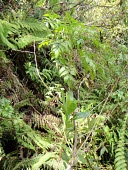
x: 74, y: 154
x: 21, y: 51
x: 59, y: 159
x: 37, y: 70
x: 78, y: 93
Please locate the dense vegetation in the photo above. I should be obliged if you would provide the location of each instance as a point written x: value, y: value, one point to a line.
x: 64, y: 84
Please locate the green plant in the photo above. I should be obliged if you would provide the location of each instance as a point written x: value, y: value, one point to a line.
x: 120, y: 159
x: 63, y: 82
x: 18, y: 32
x: 25, y: 136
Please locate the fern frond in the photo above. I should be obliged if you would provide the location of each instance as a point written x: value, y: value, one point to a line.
x: 42, y: 159
x: 12, y: 162
x: 9, y: 161
x: 60, y: 164
x: 33, y: 25
x: 37, y: 162
x: 22, y: 103
x: 46, y: 121
x: 31, y: 30
x: 26, y: 40
x: 21, y: 33
x: 27, y: 136
x: 5, y: 29
x: 120, y: 160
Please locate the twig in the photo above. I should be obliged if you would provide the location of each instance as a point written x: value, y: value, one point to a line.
x: 30, y: 52
x: 59, y: 159
x: 78, y: 93
x: 74, y: 154
x: 37, y: 70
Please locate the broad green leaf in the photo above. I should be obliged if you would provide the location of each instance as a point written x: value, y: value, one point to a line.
x: 103, y: 150
x: 42, y: 159
x: 73, y: 71
x: 63, y: 71
x: 70, y: 104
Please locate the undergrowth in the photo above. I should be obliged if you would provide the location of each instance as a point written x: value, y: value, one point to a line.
x: 64, y: 92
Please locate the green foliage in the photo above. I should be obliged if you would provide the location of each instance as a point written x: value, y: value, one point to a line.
x: 5, y: 29
x: 69, y: 104
x: 63, y: 82
x: 5, y: 109
x: 26, y: 137
x: 18, y: 33
x: 120, y: 152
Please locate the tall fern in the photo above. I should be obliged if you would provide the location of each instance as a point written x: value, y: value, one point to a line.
x: 120, y: 160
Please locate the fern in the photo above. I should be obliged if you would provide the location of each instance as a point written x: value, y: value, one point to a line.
x: 49, y: 122
x: 120, y: 160
x: 31, y: 30
x: 9, y: 161
x: 20, y: 32
x: 33, y: 25
x: 26, y: 40
x: 6, y: 29
x: 41, y: 161
x: 25, y: 135
x: 28, y: 137
x: 22, y: 103
x: 61, y: 164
